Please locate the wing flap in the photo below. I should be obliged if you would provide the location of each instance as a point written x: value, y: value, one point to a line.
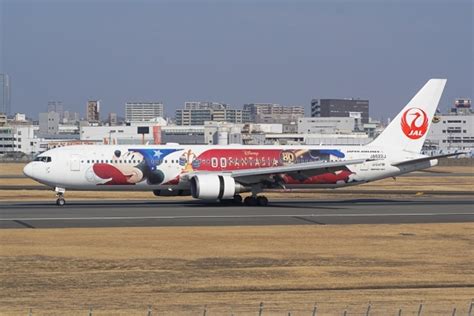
x: 297, y: 171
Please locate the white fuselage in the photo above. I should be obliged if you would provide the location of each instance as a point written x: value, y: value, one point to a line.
x: 161, y: 167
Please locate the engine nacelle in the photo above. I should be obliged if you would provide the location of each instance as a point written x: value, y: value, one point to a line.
x: 214, y: 187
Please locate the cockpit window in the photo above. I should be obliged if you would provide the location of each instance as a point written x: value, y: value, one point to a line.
x: 43, y: 159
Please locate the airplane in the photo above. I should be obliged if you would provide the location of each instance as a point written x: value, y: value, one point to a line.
x: 221, y: 173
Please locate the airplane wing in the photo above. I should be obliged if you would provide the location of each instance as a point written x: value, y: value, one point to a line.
x: 409, y: 162
x: 297, y: 171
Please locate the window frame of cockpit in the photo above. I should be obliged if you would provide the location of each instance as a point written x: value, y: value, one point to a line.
x: 45, y: 159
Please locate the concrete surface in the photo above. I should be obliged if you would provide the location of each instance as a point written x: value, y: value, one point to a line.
x: 46, y: 214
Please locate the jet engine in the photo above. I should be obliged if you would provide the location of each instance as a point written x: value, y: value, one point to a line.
x: 214, y: 187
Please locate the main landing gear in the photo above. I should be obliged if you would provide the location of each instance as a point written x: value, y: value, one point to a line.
x: 60, y: 201
x: 248, y: 201
x: 256, y: 201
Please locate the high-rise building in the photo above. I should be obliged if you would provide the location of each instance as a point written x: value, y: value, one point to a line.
x: 93, y: 111
x: 143, y: 111
x: 113, y: 119
x: 340, y: 108
x: 196, y: 113
x: 56, y: 106
x: 274, y: 113
x: 70, y: 117
x: 5, y: 94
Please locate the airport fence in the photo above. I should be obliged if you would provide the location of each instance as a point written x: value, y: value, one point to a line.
x: 261, y: 310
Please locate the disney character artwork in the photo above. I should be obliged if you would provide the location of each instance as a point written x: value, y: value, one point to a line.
x: 164, y: 166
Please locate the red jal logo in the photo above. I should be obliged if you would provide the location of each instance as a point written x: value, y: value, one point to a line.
x: 414, y: 123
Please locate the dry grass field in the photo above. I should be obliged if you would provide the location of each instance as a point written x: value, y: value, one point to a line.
x: 120, y: 271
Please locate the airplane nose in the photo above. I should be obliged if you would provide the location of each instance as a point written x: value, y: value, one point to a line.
x: 28, y: 170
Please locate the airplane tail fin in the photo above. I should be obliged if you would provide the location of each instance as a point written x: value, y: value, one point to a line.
x: 409, y: 128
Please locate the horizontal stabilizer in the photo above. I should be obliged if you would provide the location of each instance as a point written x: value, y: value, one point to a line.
x: 409, y: 162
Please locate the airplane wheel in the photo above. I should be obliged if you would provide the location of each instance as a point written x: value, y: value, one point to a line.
x: 237, y: 199
x: 262, y: 201
x: 60, y: 202
x: 250, y: 201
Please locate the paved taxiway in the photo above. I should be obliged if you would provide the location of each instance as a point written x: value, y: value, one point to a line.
x: 196, y: 213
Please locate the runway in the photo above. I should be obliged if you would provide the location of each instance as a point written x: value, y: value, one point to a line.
x: 34, y: 215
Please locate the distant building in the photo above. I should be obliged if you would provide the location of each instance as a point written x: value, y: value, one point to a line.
x: 340, y: 108
x: 453, y: 131
x: 205, y: 105
x: 373, y: 128
x: 5, y: 94
x: 18, y: 139
x: 70, y: 117
x: 143, y: 111
x: 462, y: 106
x: 112, y: 119
x: 120, y: 134
x: 49, y: 123
x: 273, y: 113
x: 290, y: 128
x: 196, y: 113
x: 326, y: 125
x: 93, y: 111
x: 184, y: 135
x: 318, y: 139
x: 3, y: 119
x: 19, y: 117
x: 192, y: 117
x: 231, y: 115
x: 56, y: 106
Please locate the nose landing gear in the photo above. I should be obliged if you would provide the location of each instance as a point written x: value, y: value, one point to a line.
x: 60, y: 201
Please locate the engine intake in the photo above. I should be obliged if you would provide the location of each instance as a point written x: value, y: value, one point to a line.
x: 214, y: 187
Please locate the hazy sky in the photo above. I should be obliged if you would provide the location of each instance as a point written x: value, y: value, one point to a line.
x: 236, y: 52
